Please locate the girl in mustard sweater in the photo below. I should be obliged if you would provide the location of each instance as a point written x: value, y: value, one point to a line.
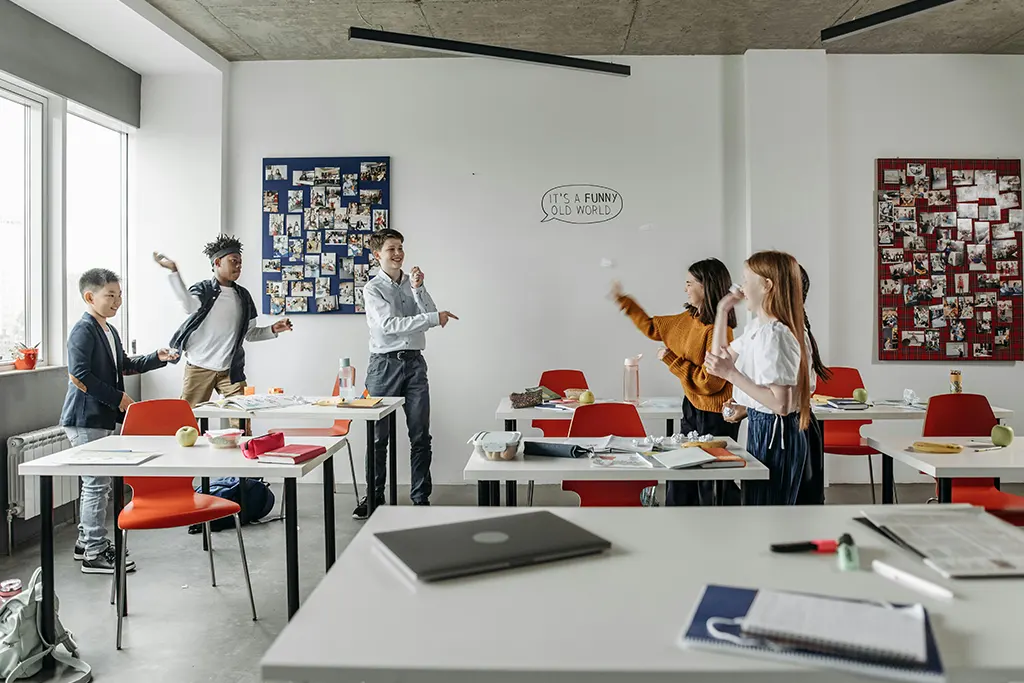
x: 687, y: 338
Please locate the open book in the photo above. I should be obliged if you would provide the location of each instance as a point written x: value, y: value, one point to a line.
x: 255, y: 402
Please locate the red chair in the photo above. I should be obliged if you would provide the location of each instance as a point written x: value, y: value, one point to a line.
x: 607, y: 419
x: 169, y: 502
x: 971, y: 415
x: 842, y: 437
x: 339, y: 428
x: 558, y: 381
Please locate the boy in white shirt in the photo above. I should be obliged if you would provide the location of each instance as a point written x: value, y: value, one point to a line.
x: 399, y: 311
x: 221, y: 316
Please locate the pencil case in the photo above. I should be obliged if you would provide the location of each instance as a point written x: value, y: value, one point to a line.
x: 554, y: 450
x: 527, y: 399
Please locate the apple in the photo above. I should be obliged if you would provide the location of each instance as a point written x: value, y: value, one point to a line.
x: 860, y: 395
x: 1002, y: 435
x: 587, y: 397
x: 187, y: 436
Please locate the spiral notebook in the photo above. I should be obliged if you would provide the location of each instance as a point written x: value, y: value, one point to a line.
x: 893, y: 642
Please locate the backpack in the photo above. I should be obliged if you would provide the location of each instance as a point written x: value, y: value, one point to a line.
x: 21, y: 643
x: 259, y: 501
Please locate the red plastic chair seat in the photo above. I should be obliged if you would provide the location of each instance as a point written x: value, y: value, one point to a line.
x: 203, y: 508
x: 848, y: 444
x: 983, y: 493
x: 608, y: 493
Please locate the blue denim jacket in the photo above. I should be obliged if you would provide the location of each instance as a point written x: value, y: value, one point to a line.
x: 95, y: 381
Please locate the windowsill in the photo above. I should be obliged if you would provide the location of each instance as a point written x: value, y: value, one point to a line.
x: 8, y: 369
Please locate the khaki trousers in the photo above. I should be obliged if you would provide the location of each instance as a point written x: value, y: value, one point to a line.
x: 198, y: 385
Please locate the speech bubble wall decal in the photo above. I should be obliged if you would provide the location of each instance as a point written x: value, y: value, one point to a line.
x: 581, y: 204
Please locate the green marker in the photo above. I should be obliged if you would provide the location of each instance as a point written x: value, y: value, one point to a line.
x: 846, y: 554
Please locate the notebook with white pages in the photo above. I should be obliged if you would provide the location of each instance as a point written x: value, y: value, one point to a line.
x: 681, y: 458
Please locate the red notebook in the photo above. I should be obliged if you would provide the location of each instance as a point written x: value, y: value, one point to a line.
x: 292, y: 454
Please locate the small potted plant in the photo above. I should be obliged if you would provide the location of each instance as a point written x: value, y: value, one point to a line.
x: 25, y: 357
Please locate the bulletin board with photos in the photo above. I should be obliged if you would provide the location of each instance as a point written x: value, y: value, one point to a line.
x: 949, y: 259
x: 318, y: 215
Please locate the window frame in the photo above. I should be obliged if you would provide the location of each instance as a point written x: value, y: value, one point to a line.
x: 36, y: 213
x: 124, y: 130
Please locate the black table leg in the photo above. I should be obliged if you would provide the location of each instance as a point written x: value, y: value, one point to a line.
x: 46, y: 562
x: 670, y: 427
x: 510, y: 493
x: 205, y: 485
x: 241, y: 500
x: 510, y: 486
x: 204, y: 425
x: 945, y: 490
x: 495, y: 493
x: 393, y: 456
x: 887, y: 482
x: 483, y: 493
x: 995, y: 482
x: 330, y: 548
x: 119, y: 538
x: 291, y: 545
x: 510, y: 425
x: 719, y: 493
x: 371, y: 467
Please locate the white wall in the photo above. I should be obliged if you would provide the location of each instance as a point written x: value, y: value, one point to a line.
x: 174, y: 203
x: 953, y: 106
x: 474, y: 145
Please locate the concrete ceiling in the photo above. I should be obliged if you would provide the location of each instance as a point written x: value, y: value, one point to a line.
x: 317, y: 29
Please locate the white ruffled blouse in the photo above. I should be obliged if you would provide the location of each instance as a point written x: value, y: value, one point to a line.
x: 768, y: 353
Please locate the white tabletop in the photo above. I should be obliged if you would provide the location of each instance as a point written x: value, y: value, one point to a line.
x: 546, y: 470
x: 201, y: 460
x: 1006, y: 462
x: 305, y: 411
x: 616, y: 617
x: 671, y: 408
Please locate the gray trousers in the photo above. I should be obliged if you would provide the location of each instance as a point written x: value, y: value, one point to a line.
x: 406, y: 377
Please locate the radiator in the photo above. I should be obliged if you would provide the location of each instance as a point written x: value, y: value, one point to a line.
x: 23, y: 492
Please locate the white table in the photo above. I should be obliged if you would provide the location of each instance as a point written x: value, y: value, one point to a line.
x: 387, y: 408
x: 886, y: 412
x: 969, y: 463
x: 546, y: 470
x: 617, y: 617
x: 201, y: 460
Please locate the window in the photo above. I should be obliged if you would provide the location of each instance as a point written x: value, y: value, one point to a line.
x: 15, y: 151
x: 95, y: 232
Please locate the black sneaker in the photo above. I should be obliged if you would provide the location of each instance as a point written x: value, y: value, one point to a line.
x: 79, y: 552
x: 104, y: 563
x: 360, y: 511
x: 422, y: 503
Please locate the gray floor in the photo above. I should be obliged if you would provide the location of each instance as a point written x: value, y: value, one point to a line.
x: 181, y: 629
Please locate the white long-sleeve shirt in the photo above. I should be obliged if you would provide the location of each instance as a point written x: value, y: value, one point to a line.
x: 212, y: 345
x: 398, y: 314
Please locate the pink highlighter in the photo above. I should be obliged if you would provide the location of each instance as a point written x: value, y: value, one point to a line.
x: 821, y: 546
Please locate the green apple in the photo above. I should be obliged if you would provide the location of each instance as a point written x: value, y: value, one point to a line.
x: 1002, y: 435
x: 587, y: 397
x: 187, y: 436
x: 860, y: 395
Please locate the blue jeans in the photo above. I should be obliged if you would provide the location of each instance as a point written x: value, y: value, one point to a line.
x: 407, y: 377
x: 781, y: 446
x: 92, y: 529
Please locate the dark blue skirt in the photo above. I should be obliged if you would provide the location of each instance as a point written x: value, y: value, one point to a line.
x: 781, y: 446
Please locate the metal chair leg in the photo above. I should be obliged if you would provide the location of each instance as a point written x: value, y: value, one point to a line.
x: 213, y: 574
x: 245, y: 565
x: 122, y: 576
x: 529, y: 494
x: 352, y: 466
x: 871, y: 478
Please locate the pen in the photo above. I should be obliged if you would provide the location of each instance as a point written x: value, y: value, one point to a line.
x: 910, y: 581
x: 108, y: 450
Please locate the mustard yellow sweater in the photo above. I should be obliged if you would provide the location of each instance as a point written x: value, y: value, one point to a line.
x: 687, y: 340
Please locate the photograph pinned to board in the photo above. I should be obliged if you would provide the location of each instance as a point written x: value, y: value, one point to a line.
x: 327, y: 175
x: 1008, y: 200
x: 1009, y: 183
x: 293, y: 224
x: 295, y: 249
x: 982, y: 232
x: 922, y: 316
x: 908, y: 195
x: 346, y: 293
x: 1002, y: 337
x: 983, y: 322
x: 350, y: 184
x: 270, y: 201
x: 1002, y: 231
x: 314, y: 245
x: 989, y: 212
x: 360, y: 305
x: 302, y: 177
x: 939, y: 198
x: 295, y: 201
x: 326, y: 304
x: 937, y: 316
x: 901, y: 271
x: 967, y: 210
x: 963, y: 177
x: 312, y: 266
x: 271, y: 265
x: 277, y: 305
x: 985, y: 300
x: 373, y: 171
x: 967, y: 193
x: 296, y: 304
x: 328, y: 263
x: 280, y: 246
x: 380, y: 219
x: 1015, y: 218
x: 914, y: 242
x: 894, y: 176
x: 275, y: 172
x: 275, y: 224
x: 1005, y: 249
x: 276, y: 288
x: 956, y: 350
x: 988, y: 280
x: 939, y: 179
x: 370, y: 196
x: 1004, y: 311
x: 302, y: 288
x: 334, y: 238
x: 889, y: 288
x: 289, y: 273
x: 916, y: 170
x: 938, y: 286
x: 1010, y: 288
x: 323, y: 287
x: 1007, y: 269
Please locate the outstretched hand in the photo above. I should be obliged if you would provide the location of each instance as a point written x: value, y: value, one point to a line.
x: 445, y: 316
x: 166, y: 355
x: 281, y: 326
x: 165, y: 262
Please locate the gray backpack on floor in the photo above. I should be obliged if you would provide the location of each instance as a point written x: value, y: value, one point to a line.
x: 21, y: 642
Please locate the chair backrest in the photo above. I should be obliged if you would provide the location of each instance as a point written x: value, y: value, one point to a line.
x: 842, y: 384
x: 607, y: 419
x: 158, y: 417
x: 560, y: 380
x: 959, y: 415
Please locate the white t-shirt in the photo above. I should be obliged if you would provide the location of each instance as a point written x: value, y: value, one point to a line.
x: 213, y: 343
x: 768, y: 353
x: 110, y: 340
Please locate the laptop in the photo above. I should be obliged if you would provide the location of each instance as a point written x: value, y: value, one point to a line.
x: 447, y: 551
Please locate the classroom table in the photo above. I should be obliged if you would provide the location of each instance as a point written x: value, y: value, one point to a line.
x: 388, y: 407
x: 968, y: 464
x: 617, y: 617
x: 201, y: 460
x: 546, y: 470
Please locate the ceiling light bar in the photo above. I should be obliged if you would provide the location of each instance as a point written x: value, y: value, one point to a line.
x: 478, y: 50
x: 871, y: 21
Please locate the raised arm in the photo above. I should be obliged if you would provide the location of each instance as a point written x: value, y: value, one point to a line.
x: 188, y: 300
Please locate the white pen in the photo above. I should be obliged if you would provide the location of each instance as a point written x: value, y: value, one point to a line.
x: 910, y: 581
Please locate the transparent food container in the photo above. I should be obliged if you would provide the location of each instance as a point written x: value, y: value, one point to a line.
x: 496, y: 445
x: 224, y: 438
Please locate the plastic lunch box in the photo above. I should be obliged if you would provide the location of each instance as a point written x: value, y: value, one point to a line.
x: 496, y: 445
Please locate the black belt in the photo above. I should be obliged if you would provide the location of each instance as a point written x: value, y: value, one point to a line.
x: 401, y: 355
